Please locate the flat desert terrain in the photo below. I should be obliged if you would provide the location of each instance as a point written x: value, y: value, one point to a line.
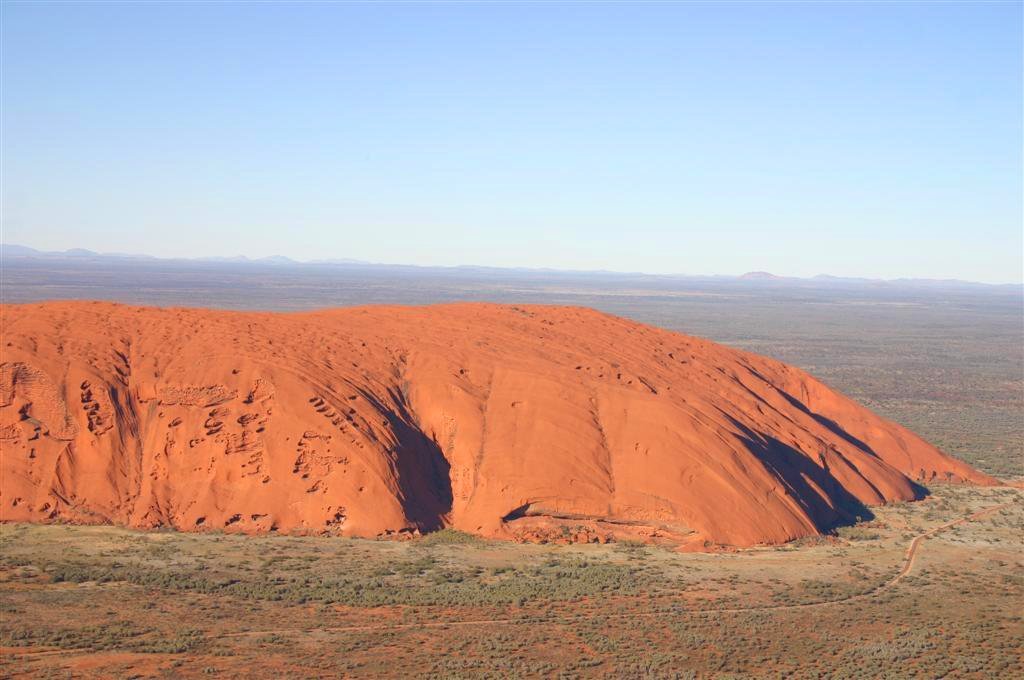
x: 926, y: 589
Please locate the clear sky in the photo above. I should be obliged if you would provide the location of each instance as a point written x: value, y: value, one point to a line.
x: 876, y: 139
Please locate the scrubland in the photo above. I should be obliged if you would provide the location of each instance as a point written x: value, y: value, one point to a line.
x: 104, y: 601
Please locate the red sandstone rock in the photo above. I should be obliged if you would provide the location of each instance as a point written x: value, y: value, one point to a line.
x: 390, y: 420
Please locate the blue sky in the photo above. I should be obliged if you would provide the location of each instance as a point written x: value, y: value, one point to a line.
x: 873, y: 139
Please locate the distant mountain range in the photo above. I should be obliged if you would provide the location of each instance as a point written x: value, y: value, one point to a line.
x: 14, y: 250
x: 20, y: 252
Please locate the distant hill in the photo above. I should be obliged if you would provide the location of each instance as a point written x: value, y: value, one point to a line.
x: 761, y: 276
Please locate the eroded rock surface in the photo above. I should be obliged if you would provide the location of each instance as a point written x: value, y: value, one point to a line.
x: 528, y: 423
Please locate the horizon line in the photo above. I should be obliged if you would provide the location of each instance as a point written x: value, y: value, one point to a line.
x: 753, y: 275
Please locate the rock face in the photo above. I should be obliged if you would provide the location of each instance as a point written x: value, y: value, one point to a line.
x: 515, y: 422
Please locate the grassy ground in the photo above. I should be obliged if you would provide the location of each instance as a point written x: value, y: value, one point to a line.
x: 102, y: 602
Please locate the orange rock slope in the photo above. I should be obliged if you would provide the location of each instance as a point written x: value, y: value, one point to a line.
x: 498, y: 420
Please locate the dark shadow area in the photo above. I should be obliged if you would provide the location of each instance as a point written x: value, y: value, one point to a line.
x: 424, y: 474
x: 829, y: 424
x: 517, y: 513
x: 919, y: 490
x: 793, y: 468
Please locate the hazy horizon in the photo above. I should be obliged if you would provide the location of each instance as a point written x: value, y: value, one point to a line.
x: 277, y: 259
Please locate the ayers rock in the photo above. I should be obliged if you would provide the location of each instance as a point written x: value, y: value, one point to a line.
x: 498, y: 420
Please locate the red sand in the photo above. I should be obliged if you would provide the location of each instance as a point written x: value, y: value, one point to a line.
x: 503, y: 421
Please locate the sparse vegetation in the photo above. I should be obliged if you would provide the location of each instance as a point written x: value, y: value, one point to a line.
x: 449, y: 536
x: 448, y: 605
x: 857, y: 532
